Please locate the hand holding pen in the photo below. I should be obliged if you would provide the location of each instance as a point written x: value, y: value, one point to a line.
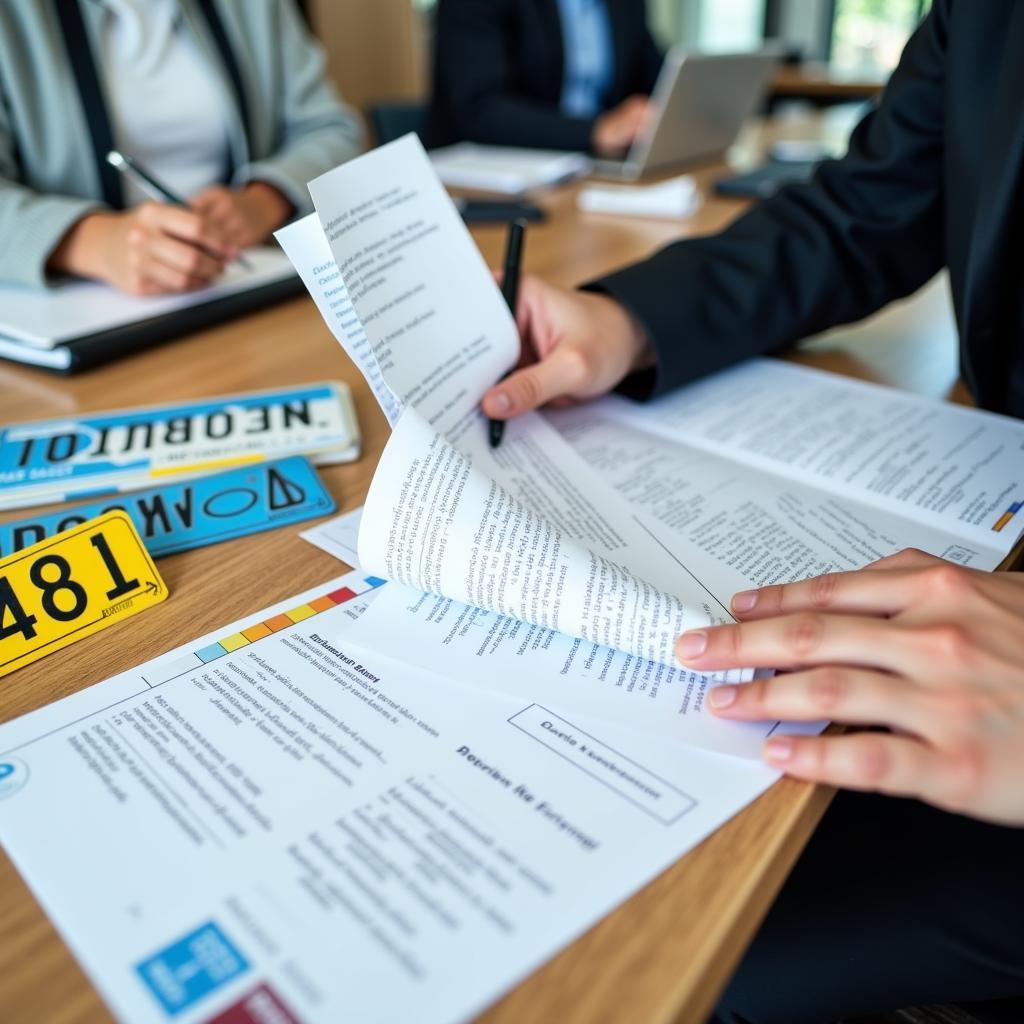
x: 155, y: 188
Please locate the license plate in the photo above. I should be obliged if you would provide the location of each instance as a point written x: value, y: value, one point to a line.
x: 127, y: 450
x: 180, y: 516
x: 71, y: 586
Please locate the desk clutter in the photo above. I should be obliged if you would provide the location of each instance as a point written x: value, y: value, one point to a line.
x: 391, y: 796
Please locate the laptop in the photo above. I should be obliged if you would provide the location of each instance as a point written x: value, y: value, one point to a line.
x: 700, y: 103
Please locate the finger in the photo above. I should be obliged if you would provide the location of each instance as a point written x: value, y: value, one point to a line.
x: 185, y: 225
x: 873, y: 593
x: 559, y: 374
x: 802, y: 640
x: 162, y: 279
x: 190, y: 260
x: 908, y: 558
x: 833, y: 693
x: 872, y: 761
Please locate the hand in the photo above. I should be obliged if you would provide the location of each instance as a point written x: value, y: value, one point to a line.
x: 576, y: 345
x: 149, y: 250
x: 617, y: 129
x: 930, y: 650
x: 245, y: 217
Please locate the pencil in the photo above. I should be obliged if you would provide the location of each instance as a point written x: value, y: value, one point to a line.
x: 510, y: 290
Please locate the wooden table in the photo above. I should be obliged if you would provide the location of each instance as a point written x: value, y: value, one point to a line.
x: 822, y: 86
x: 664, y: 955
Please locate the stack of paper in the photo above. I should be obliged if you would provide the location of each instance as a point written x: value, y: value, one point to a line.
x: 505, y: 170
x: 677, y: 197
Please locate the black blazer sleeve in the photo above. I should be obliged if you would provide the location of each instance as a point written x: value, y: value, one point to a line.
x: 866, y: 230
x: 474, y: 78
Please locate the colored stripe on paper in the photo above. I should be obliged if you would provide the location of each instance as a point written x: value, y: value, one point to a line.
x: 285, y: 620
x: 1005, y: 518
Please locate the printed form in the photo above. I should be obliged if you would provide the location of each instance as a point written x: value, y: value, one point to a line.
x: 287, y: 828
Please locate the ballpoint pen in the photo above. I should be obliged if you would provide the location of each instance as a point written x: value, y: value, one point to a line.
x: 153, y: 187
x: 510, y: 290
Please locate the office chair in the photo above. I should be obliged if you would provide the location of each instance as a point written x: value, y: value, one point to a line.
x: 392, y: 119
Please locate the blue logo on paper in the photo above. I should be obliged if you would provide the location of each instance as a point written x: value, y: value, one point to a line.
x: 191, y: 968
x: 13, y: 775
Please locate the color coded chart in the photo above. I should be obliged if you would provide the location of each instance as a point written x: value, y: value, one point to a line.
x: 259, y: 630
x: 1005, y: 518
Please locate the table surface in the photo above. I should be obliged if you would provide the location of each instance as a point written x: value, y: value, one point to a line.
x: 663, y: 955
x: 819, y: 81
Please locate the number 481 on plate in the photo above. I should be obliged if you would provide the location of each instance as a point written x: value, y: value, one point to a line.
x: 72, y: 585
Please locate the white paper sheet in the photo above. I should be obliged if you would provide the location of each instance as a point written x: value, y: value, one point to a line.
x: 300, y: 824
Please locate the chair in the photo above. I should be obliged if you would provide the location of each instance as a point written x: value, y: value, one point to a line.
x: 392, y: 119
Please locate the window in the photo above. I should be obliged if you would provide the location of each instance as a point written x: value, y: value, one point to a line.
x: 868, y: 36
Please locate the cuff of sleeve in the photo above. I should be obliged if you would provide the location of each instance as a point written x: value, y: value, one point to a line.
x: 290, y: 182
x: 657, y: 304
x: 42, y: 224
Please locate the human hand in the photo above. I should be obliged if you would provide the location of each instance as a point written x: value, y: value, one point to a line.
x: 929, y: 649
x: 243, y: 217
x: 576, y: 345
x: 152, y: 249
x: 617, y: 129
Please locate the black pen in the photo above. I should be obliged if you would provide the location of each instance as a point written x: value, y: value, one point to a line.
x: 153, y: 187
x: 510, y: 290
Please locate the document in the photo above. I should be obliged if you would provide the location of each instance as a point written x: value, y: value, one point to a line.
x: 568, y: 561
x: 528, y: 530
x: 506, y: 170
x: 272, y: 823
x: 818, y: 473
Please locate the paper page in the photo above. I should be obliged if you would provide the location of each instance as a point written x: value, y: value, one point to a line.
x: 306, y: 245
x: 738, y: 526
x: 47, y: 317
x: 435, y: 319
x: 334, y: 836
x: 527, y: 530
x: 935, y: 464
x: 338, y: 536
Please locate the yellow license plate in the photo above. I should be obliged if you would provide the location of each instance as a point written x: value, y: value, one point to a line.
x: 71, y: 586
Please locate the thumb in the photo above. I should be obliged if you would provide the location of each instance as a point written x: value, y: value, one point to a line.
x: 533, y: 386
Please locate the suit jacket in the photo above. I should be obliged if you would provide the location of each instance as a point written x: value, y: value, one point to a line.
x: 933, y: 178
x: 498, y: 72
x: 298, y: 127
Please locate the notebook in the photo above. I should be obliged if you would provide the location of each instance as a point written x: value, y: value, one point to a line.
x: 506, y: 170
x: 82, y: 323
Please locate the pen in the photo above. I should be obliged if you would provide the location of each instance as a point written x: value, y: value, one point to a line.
x: 510, y: 290
x: 154, y: 188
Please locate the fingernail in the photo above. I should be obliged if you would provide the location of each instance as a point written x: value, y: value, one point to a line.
x: 778, y: 751
x: 692, y: 644
x: 722, y: 696
x: 744, y: 600
x: 500, y: 402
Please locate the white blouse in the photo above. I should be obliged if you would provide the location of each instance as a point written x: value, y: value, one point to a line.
x: 167, y: 107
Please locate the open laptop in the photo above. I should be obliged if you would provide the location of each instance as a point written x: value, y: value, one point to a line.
x: 700, y: 103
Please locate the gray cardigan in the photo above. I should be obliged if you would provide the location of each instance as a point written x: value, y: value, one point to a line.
x: 48, y: 175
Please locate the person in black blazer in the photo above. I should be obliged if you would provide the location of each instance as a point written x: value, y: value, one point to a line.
x: 893, y: 903
x: 500, y: 71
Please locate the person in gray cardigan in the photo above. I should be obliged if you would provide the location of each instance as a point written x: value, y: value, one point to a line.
x: 227, y: 101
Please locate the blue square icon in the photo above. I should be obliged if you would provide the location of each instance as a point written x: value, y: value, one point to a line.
x: 191, y: 968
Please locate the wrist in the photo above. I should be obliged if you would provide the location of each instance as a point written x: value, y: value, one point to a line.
x: 81, y: 251
x: 271, y: 206
x: 628, y: 332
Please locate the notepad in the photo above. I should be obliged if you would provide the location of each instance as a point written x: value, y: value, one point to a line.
x: 506, y: 170
x: 46, y: 318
